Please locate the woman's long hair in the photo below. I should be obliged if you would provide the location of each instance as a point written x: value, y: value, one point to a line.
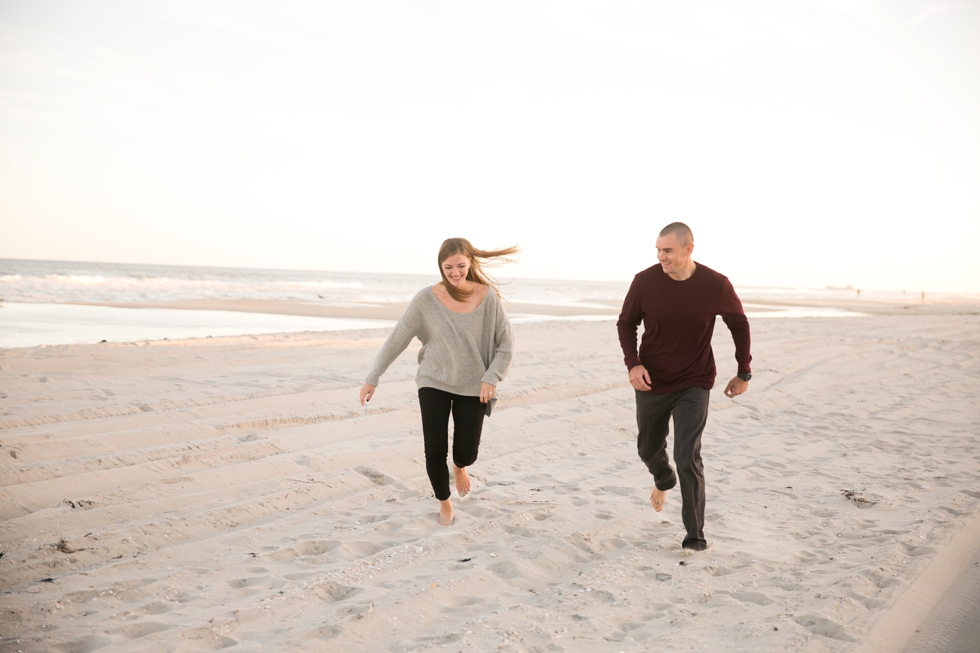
x: 478, y: 258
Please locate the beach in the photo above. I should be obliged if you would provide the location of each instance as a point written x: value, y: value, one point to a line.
x: 230, y: 493
x: 216, y: 213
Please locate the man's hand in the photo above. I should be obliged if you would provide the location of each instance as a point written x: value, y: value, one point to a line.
x: 736, y: 387
x: 640, y: 378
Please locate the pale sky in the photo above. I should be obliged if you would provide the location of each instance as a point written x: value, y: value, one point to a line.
x: 806, y: 142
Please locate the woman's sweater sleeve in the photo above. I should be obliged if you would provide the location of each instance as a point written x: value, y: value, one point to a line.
x: 504, y: 340
x: 408, y: 327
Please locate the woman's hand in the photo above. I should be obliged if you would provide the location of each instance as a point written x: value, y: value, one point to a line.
x: 367, y: 391
x: 487, y: 392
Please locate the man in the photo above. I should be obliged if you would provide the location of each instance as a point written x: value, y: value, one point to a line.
x: 674, y: 369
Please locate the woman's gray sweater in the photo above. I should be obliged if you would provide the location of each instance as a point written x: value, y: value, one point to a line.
x: 460, y: 351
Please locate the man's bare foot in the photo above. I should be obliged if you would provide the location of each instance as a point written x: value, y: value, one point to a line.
x: 446, y: 513
x: 462, y: 480
x: 658, y: 498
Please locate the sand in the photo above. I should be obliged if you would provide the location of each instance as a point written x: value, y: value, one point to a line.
x: 230, y: 493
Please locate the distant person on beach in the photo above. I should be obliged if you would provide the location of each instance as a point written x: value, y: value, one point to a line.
x: 674, y: 369
x: 467, y: 346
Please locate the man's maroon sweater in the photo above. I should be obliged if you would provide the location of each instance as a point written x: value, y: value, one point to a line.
x: 678, y: 320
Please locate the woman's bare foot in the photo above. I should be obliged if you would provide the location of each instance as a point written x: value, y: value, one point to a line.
x: 462, y: 480
x: 446, y: 513
x: 658, y: 498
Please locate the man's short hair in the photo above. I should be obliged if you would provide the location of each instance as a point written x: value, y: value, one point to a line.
x: 681, y: 230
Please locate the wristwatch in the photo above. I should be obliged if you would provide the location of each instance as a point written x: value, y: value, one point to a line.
x: 745, y: 376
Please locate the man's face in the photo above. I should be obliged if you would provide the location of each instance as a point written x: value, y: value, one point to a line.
x: 672, y: 255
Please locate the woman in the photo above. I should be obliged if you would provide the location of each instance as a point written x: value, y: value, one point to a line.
x: 467, y: 346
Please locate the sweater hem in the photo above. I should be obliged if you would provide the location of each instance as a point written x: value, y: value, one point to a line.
x: 677, y: 387
x: 445, y: 387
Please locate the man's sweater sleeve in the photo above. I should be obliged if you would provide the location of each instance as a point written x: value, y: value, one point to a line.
x: 406, y: 329
x: 629, y: 321
x: 504, y: 343
x: 734, y: 316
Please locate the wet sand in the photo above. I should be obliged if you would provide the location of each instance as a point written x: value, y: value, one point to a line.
x: 361, y: 311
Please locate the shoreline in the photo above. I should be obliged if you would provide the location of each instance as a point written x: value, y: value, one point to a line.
x: 885, y: 306
x: 588, y: 307
x: 57, y: 324
x: 385, y: 311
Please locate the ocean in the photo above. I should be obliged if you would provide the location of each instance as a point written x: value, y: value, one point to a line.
x: 40, y: 299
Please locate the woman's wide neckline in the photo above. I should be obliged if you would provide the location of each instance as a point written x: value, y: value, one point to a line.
x: 478, y: 306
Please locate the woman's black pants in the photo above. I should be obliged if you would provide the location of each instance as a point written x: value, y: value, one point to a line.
x: 468, y: 413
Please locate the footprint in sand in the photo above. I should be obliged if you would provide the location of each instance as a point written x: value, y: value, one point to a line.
x: 358, y: 550
x: 822, y: 626
x: 615, y: 489
x: 334, y: 592
x: 157, y: 607
x: 466, y: 601
x: 204, y: 637
x: 83, y: 596
x: 601, y: 596
x: 308, y: 548
x: 806, y: 556
x: 631, y: 625
x: 613, y: 543
x: 790, y: 586
x: 506, y: 569
x: 718, y: 571
x: 391, y: 525
x: 83, y: 645
x: 915, y: 552
x: 520, y: 531
x: 135, y: 631
x: 441, y: 639
x: 316, y: 547
x: 376, y: 477
x: 256, y: 581
x: 476, y: 511
x: 283, y: 554
x: 327, y: 632
x: 751, y: 597
x: 430, y: 522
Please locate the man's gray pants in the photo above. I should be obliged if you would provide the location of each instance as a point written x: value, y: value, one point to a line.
x: 690, y: 410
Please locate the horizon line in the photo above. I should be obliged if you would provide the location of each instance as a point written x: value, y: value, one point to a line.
x: 851, y: 287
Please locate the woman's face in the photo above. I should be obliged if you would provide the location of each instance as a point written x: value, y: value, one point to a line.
x: 456, y: 267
